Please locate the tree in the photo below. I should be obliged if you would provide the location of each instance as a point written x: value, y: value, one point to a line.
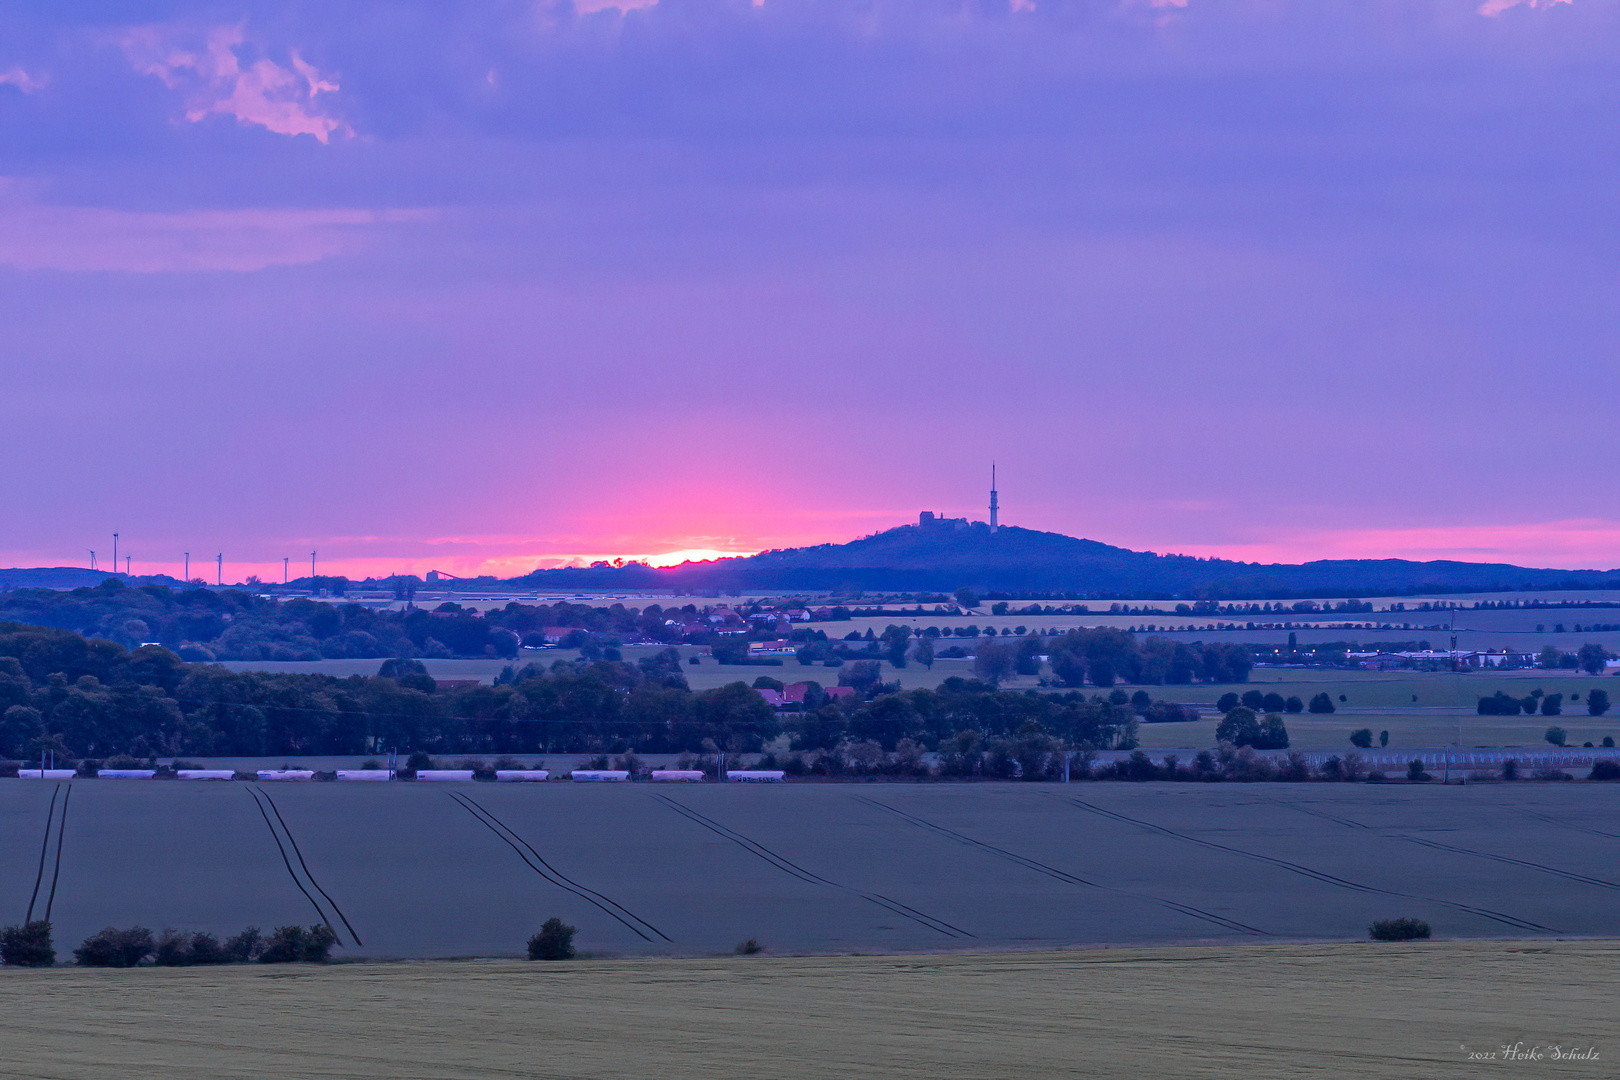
x: 1361, y: 737
x: 1550, y: 657
x: 1273, y: 735
x: 1228, y: 701
x: 555, y: 941
x: 1274, y: 702
x: 1254, y: 699
x: 1383, y: 738
x: 1294, y: 704
x: 28, y: 945
x: 924, y: 653
x: 966, y: 598
x: 1556, y: 735
x: 1321, y: 704
x: 1592, y: 659
x: 1240, y: 727
x: 1552, y: 705
x: 993, y: 662
x: 1597, y: 702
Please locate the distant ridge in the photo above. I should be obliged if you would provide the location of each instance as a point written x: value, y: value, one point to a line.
x: 51, y: 577
x: 948, y: 555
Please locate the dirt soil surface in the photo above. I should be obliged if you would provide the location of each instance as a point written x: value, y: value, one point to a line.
x: 1362, y: 1010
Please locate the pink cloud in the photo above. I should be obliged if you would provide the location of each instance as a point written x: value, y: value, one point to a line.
x: 263, y: 93
x: 1493, y: 8
x: 40, y: 236
x: 591, y: 7
x: 22, y: 80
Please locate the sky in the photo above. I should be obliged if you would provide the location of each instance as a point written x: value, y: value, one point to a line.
x: 486, y: 287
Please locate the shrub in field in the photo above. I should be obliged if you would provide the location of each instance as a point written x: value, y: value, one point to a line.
x: 297, y: 944
x: 1254, y: 699
x: 1556, y: 735
x: 177, y: 949
x: 1228, y: 701
x: 1552, y: 705
x: 1597, y: 703
x: 1605, y: 770
x: 1510, y: 769
x: 1321, y: 703
x: 555, y: 941
x: 115, y: 948
x: 245, y: 947
x: 1361, y: 737
x: 1414, y: 771
x: 1376, y: 777
x: 1552, y: 774
x: 1293, y: 704
x: 28, y: 945
x: 1383, y: 738
x: 1398, y: 930
x: 750, y: 948
x: 1608, y: 741
x: 418, y: 760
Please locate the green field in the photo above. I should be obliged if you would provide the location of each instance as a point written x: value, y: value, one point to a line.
x: 1284, y: 1011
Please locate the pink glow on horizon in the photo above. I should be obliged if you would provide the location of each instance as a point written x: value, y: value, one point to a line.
x: 1587, y: 543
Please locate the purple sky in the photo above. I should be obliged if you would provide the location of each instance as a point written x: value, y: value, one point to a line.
x: 486, y: 286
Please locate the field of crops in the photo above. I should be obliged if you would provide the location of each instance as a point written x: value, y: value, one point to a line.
x: 446, y: 870
x: 1282, y: 1011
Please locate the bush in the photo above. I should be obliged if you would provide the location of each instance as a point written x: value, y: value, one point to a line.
x: 1294, y: 705
x: 750, y: 947
x: 1228, y: 702
x: 176, y: 949
x: 1254, y: 699
x: 1556, y: 735
x: 295, y: 945
x: 1510, y: 769
x: 555, y: 941
x: 1361, y: 737
x: 1597, y: 702
x: 1605, y: 770
x: 1414, y: 771
x: 115, y: 948
x: 28, y: 945
x: 245, y: 947
x: 1321, y: 703
x: 1552, y: 705
x: 1399, y: 930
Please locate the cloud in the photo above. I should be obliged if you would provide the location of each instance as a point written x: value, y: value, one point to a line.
x: 1493, y: 8
x: 215, y: 83
x: 591, y: 7
x: 40, y: 236
x: 22, y: 80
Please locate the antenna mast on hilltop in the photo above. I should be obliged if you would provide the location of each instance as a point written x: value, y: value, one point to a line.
x: 995, y: 506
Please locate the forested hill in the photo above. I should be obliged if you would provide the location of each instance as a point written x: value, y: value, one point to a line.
x: 941, y: 557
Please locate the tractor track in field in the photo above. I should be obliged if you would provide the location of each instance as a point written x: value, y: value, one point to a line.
x: 261, y: 799
x: 792, y: 869
x: 1065, y: 876
x: 536, y: 862
x: 1316, y: 875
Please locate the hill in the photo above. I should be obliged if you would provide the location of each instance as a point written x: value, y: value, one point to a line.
x: 945, y: 556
